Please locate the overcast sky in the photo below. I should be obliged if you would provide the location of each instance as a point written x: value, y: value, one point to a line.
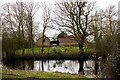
x: 101, y: 4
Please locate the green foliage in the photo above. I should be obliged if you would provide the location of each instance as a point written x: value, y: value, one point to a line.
x: 107, y: 44
x: 112, y: 66
x: 9, y: 44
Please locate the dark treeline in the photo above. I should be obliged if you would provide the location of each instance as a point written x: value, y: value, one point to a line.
x: 18, y: 26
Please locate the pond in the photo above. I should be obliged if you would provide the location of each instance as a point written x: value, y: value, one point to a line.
x: 63, y: 66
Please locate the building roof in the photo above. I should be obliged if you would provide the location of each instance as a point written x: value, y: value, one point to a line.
x: 66, y: 40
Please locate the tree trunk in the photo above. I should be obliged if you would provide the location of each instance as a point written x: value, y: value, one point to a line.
x: 81, y: 61
x: 42, y: 65
x: 81, y: 71
x: 33, y: 53
x: 23, y: 42
x: 42, y: 52
x: 32, y: 43
x: 118, y: 35
x: 96, y: 67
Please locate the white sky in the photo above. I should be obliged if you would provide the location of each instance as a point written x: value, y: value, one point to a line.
x: 101, y: 4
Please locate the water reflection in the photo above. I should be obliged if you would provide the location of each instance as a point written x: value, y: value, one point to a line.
x: 19, y: 64
x: 64, y: 66
x: 89, y: 68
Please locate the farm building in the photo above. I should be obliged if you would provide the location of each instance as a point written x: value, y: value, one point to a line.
x: 67, y: 42
x: 46, y: 42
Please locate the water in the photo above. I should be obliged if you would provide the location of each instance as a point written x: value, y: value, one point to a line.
x: 63, y: 66
x: 66, y: 66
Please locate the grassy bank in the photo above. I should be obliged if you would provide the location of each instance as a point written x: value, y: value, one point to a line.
x: 49, y: 52
x: 31, y: 74
x: 37, y: 50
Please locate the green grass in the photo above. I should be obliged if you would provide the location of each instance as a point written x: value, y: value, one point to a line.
x: 9, y: 73
x: 52, y: 53
x: 49, y: 50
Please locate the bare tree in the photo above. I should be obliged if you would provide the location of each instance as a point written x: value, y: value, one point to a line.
x: 113, y: 58
x: 46, y: 23
x: 118, y: 29
x: 104, y: 27
x: 74, y: 17
x: 19, y: 15
x: 111, y: 21
x: 31, y: 9
x: 19, y: 19
x: 9, y: 33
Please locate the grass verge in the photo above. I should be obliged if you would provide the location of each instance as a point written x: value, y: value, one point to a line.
x: 8, y: 73
x: 60, y: 52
